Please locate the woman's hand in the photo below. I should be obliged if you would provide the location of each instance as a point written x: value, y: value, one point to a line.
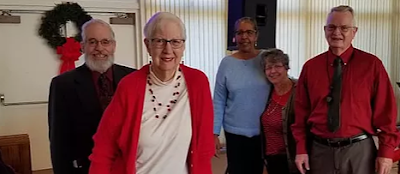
x: 217, y: 146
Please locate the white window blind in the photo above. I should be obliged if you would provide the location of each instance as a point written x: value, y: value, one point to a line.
x: 300, y: 31
x: 206, y: 25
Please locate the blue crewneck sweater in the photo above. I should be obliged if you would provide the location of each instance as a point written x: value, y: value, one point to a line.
x: 240, y: 96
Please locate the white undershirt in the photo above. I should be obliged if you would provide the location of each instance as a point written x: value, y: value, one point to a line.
x: 164, y: 143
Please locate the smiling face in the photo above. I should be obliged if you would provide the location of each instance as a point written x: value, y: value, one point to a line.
x: 340, y: 30
x: 166, y: 46
x: 276, y: 72
x: 246, y: 36
x: 98, y: 47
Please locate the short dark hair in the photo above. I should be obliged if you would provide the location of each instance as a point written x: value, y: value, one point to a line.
x: 275, y: 55
x: 248, y: 20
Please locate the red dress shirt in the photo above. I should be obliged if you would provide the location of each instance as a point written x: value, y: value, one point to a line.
x: 96, y: 76
x: 396, y: 156
x: 367, y: 101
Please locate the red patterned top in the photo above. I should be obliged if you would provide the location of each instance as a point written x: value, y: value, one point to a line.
x: 272, y: 123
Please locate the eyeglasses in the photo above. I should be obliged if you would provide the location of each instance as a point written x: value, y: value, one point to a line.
x: 248, y: 32
x: 343, y: 28
x: 161, y: 43
x: 269, y: 68
x: 104, y: 42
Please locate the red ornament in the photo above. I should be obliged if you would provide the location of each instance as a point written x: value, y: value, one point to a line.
x: 70, y: 52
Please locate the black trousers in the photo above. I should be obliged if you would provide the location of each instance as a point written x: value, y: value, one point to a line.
x: 244, y: 154
x: 278, y: 164
x: 83, y: 170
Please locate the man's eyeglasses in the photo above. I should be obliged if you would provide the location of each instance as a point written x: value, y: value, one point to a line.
x: 104, y: 42
x: 343, y: 28
x: 248, y: 32
x: 161, y: 43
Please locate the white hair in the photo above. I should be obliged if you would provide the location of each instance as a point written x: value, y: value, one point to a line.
x: 343, y: 8
x: 156, y: 21
x: 95, y: 21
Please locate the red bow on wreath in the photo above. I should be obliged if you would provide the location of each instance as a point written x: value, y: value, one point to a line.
x: 70, y: 52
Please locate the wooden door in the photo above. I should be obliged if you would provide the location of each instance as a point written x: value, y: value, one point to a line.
x: 15, y: 151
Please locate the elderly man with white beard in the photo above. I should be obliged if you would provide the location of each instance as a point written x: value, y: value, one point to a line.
x: 79, y: 97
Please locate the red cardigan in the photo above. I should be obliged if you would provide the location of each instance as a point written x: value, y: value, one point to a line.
x: 396, y: 156
x: 116, y: 140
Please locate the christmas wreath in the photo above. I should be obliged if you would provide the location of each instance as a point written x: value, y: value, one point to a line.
x: 50, y: 28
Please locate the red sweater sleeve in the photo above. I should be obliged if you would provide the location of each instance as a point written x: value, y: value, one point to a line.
x: 206, y: 135
x: 106, y: 148
x: 396, y: 156
x: 302, y: 110
x: 384, y: 112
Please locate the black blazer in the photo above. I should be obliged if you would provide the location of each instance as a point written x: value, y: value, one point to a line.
x: 74, y: 113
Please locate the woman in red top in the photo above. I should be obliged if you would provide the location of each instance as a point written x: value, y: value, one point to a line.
x: 278, y: 144
x: 160, y: 120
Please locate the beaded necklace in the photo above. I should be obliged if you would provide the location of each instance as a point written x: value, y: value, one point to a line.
x: 158, y: 106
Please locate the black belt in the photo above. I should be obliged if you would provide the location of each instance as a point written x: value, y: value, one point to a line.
x: 340, y: 143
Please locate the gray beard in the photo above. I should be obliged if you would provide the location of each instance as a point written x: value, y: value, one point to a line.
x: 100, y: 66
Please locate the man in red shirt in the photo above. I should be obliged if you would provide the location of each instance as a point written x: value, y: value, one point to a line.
x: 344, y: 96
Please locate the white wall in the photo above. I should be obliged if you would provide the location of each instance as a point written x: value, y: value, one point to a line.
x: 27, y: 65
x: 89, y: 5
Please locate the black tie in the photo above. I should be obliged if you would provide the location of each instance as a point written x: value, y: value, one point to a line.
x: 334, y: 104
x: 105, y: 90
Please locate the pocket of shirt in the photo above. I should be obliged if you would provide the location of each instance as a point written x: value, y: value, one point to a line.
x: 361, y: 90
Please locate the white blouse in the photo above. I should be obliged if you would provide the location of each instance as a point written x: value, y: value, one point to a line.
x: 165, y: 136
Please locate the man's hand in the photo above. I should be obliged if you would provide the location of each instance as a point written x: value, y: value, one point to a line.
x: 383, y: 165
x: 217, y: 146
x: 302, y: 163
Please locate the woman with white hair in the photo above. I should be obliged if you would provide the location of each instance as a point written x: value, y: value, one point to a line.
x: 160, y: 120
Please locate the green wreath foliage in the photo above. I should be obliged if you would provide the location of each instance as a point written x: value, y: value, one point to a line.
x: 53, y: 20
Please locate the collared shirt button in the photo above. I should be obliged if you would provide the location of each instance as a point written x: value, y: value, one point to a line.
x: 191, y: 151
x: 191, y: 165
